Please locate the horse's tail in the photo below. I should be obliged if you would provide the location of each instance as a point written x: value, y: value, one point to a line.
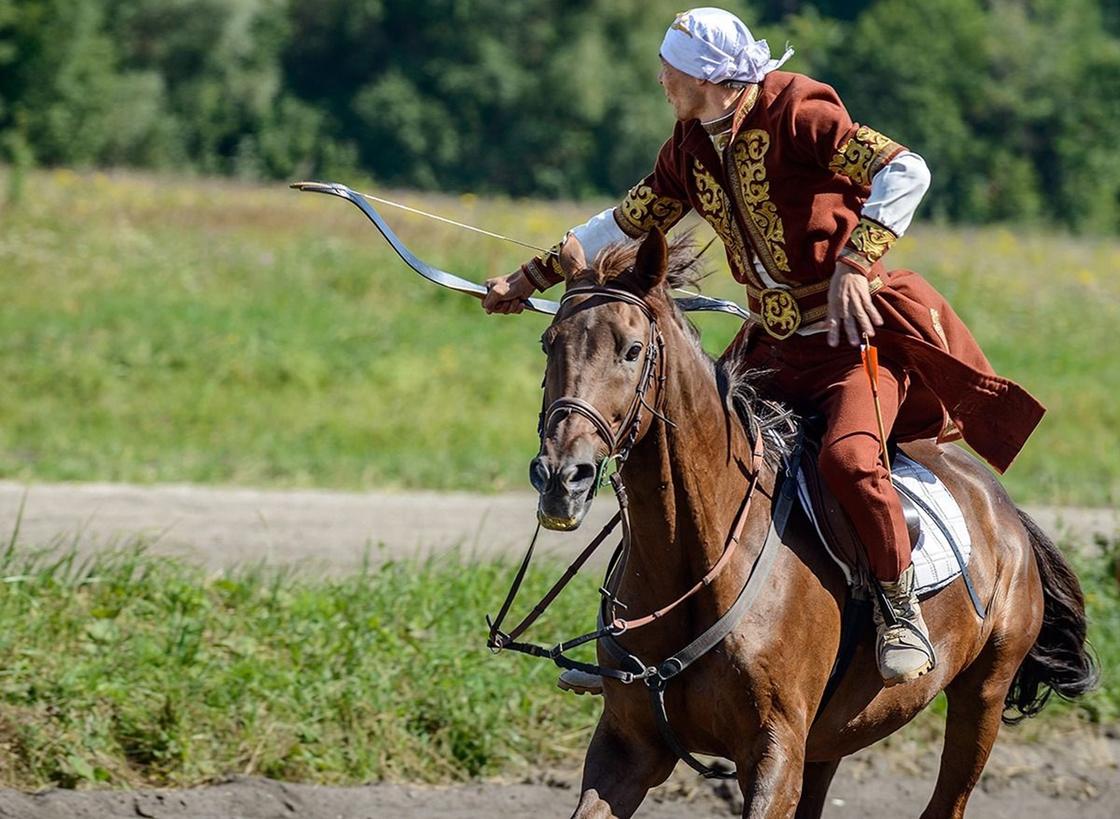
x: 1060, y: 660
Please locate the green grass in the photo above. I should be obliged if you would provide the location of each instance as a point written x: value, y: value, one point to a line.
x: 174, y: 329
x: 134, y: 669
x: 131, y: 669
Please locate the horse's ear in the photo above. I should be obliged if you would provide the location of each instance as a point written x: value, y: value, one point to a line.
x: 652, y: 260
x: 573, y: 260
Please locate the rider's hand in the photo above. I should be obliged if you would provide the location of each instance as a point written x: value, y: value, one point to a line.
x: 849, y: 303
x: 507, y: 294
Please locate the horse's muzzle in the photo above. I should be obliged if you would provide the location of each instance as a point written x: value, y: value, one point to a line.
x: 565, y: 491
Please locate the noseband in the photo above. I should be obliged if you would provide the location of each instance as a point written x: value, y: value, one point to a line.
x: 619, y: 442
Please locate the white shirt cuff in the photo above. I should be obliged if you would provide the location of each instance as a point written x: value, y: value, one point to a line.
x: 896, y: 191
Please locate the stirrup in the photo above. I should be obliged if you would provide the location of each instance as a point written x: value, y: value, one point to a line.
x: 580, y: 682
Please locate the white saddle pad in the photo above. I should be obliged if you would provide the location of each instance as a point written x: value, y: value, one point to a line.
x: 935, y: 565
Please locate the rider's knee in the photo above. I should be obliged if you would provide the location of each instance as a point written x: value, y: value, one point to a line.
x: 847, y: 460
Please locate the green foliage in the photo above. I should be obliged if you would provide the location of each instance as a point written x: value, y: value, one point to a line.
x: 1099, y: 572
x: 1012, y: 101
x: 982, y: 101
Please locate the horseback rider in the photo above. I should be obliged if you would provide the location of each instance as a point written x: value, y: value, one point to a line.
x: 807, y: 202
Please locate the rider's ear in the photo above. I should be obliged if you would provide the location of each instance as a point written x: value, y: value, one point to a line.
x: 651, y: 262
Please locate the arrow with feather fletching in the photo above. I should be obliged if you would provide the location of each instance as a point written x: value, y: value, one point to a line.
x: 690, y: 303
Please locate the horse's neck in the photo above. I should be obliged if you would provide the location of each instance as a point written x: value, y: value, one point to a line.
x: 685, y: 484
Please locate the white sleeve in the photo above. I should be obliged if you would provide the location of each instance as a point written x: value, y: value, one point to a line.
x: 896, y: 191
x: 598, y: 232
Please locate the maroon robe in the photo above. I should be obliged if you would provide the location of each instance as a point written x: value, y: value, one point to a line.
x: 787, y: 193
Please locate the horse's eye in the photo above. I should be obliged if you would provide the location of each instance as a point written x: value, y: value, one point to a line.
x: 634, y: 351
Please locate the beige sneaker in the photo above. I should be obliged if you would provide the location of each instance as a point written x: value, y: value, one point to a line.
x: 902, y: 647
x: 580, y: 682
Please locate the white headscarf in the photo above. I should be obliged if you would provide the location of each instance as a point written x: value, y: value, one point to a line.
x: 715, y: 45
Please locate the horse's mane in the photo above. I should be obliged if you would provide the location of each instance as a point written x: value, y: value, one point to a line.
x: 684, y: 267
x: 777, y: 423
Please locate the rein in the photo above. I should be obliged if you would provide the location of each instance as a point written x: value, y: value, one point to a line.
x: 610, y: 627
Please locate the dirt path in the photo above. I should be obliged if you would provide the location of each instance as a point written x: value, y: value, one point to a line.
x: 327, y: 531
x: 1057, y: 779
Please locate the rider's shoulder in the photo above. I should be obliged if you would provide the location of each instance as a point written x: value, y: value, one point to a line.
x: 786, y: 88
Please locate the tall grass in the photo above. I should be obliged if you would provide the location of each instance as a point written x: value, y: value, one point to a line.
x: 176, y: 329
x: 133, y: 669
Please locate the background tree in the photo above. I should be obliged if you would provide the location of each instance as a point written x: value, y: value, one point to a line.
x: 1012, y: 102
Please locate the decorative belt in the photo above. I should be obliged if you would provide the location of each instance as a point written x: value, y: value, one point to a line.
x: 782, y: 311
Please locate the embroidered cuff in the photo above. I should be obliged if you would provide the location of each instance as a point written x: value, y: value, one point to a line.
x: 544, y: 271
x: 867, y: 244
x: 863, y: 155
x: 642, y: 210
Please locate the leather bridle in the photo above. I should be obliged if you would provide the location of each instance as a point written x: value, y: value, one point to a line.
x: 619, y: 442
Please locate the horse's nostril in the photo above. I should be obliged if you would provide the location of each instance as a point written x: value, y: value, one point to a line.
x: 538, y: 474
x: 577, y: 474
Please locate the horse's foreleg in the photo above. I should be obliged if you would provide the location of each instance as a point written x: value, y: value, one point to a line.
x: 771, y: 775
x: 816, y: 779
x: 619, y: 770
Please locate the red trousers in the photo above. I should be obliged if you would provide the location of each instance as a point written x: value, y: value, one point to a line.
x: 814, y: 377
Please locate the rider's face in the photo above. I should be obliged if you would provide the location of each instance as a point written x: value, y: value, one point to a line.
x: 682, y: 91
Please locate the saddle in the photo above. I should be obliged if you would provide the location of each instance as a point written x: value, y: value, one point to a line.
x: 939, y: 540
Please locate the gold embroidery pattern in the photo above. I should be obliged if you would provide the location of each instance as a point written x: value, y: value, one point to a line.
x: 642, y: 210
x: 545, y: 271
x: 775, y: 313
x: 747, y: 169
x: 715, y: 207
x: 780, y: 314
x: 936, y: 318
x: 871, y: 239
x: 552, y: 260
x: 861, y: 157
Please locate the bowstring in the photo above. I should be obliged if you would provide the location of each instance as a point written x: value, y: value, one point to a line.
x: 445, y: 220
x: 492, y: 234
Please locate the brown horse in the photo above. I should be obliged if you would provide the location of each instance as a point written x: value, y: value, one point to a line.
x: 754, y: 699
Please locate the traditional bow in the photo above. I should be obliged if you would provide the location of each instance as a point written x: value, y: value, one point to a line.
x: 692, y: 303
